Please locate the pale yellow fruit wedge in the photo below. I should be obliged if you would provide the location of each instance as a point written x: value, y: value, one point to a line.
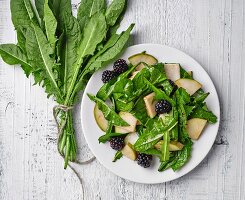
x: 133, y: 75
x: 172, y: 71
x: 129, y: 152
x: 131, y: 138
x: 195, y: 127
x: 130, y: 119
x: 150, y: 105
x: 191, y: 86
x: 173, y: 145
x: 142, y: 58
x: 100, y: 119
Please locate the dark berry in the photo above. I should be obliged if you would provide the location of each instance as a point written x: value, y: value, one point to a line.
x: 175, y: 87
x: 117, y: 143
x: 171, y: 83
x: 120, y: 66
x: 107, y: 75
x: 163, y: 106
x: 144, y: 160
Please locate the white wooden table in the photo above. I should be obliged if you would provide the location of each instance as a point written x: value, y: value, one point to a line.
x: 211, y: 31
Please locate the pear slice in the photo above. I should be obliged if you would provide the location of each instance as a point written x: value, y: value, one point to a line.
x: 133, y: 75
x: 142, y: 58
x: 120, y: 129
x: 191, y: 86
x: 129, y: 152
x: 172, y: 71
x: 140, y: 66
x: 100, y: 119
x: 131, y: 138
x: 195, y: 127
x: 158, y: 145
x: 150, y: 105
x: 173, y: 145
x: 130, y: 119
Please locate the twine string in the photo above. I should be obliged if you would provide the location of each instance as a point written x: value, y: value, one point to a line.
x: 60, y: 127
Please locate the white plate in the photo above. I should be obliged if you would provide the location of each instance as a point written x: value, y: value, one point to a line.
x: 129, y: 169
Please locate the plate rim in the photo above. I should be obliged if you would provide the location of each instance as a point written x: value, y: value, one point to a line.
x: 212, y: 142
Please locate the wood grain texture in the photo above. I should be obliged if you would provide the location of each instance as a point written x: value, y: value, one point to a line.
x: 213, y: 32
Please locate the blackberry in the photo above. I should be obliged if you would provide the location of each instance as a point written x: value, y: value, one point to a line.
x: 117, y: 143
x: 175, y: 87
x: 120, y: 66
x: 171, y: 83
x: 144, y: 160
x: 163, y: 106
x: 107, y: 75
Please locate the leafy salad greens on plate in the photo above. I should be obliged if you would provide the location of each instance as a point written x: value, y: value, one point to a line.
x: 147, y: 108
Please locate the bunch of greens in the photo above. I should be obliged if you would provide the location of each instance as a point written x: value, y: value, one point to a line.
x: 166, y: 135
x: 62, y: 51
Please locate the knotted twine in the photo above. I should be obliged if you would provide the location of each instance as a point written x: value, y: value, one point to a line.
x: 60, y: 128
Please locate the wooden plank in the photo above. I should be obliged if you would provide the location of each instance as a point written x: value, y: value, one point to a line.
x: 7, y: 108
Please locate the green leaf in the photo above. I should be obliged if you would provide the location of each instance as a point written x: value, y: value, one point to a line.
x: 158, y: 74
x: 50, y: 24
x: 61, y: 9
x: 59, y: 49
x: 12, y: 54
x: 108, y: 134
x: 121, y: 103
x: 139, y: 110
x: 165, y: 148
x: 111, y: 53
x: 174, y: 133
x: 140, y: 129
x: 152, y: 151
x: 123, y: 86
x: 153, y: 74
x: 167, y: 164
x: 183, y: 135
x: 182, y: 96
x: 167, y: 87
x: 107, y: 137
x: 202, y: 113
x: 189, y: 109
x: 21, y: 39
x: 152, y: 134
x: 183, y: 156
x: 88, y: 44
x: 117, y: 156
x: 39, y: 51
x: 139, y: 83
x: 167, y: 118
x: 70, y: 42
x: 22, y: 13
x: 114, y: 11
x: 113, y: 29
x: 184, y: 74
x: 110, y: 43
x: 109, y: 113
x: 40, y: 7
x: 200, y: 96
x: 159, y: 94
x: 107, y: 89
x: 87, y: 9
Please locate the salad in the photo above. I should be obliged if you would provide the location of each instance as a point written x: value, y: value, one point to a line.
x: 151, y: 109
